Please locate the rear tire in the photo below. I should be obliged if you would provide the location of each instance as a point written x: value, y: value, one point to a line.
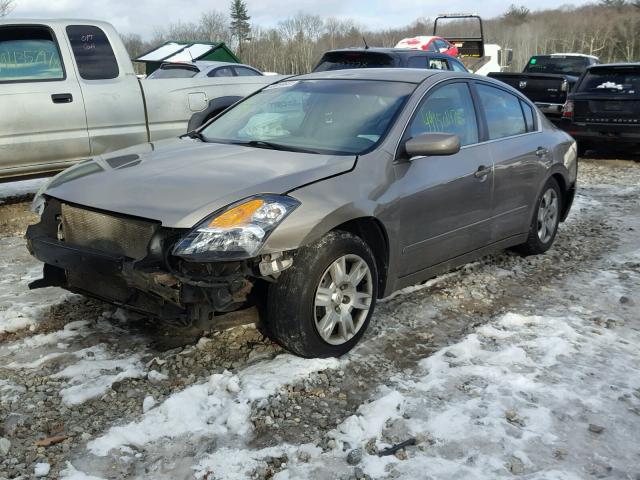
x: 546, y: 218
x: 321, y: 306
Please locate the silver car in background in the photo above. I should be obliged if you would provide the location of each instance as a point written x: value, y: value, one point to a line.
x: 310, y: 200
x: 204, y: 69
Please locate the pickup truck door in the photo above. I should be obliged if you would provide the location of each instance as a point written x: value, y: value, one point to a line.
x: 42, y: 124
x: 112, y: 94
x: 520, y: 156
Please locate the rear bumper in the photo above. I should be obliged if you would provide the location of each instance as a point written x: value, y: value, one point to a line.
x: 602, y: 133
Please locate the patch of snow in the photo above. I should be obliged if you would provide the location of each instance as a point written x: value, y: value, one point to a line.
x: 70, y: 473
x: 219, y: 407
x: 95, y: 373
x: 41, y: 469
x: 148, y: 403
x: 10, y: 392
x: 20, y: 188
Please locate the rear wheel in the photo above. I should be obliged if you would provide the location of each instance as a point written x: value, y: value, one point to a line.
x: 322, y: 305
x: 544, y: 225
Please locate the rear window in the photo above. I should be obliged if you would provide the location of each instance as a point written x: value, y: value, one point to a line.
x: 623, y: 81
x: 174, y: 71
x: 558, y: 65
x: 93, y: 53
x: 29, y: 54
x: 344, y: 60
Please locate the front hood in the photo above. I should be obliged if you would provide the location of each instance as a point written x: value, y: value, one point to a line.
x: 179, y: 182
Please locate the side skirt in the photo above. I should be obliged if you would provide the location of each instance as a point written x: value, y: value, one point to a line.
x: 440, y: 268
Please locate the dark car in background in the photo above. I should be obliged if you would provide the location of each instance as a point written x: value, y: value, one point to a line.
x: 547, y: 79
x: 387, y: 58
x: 604, y: 108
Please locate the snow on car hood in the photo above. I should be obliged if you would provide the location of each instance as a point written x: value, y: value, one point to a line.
x: 181, y: 181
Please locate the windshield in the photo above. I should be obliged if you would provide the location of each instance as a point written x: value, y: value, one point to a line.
x: 318, y: 116
x: 625, y: 81
x: 558, y: 65
x: 344, y: 60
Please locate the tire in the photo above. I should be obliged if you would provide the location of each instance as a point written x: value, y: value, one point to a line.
x: 544, y: 224
x: 296, y: 307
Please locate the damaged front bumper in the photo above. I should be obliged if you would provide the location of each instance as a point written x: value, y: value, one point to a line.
x: 154, y: 284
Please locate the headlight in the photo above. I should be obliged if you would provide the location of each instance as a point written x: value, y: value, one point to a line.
x: 238, y: 232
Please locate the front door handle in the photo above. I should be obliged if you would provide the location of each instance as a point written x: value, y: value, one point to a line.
x: 62, y: 98
x: 482, y: 172
x: 541, y: 152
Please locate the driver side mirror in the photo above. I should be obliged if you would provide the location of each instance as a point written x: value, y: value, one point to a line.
x: 432, y: 144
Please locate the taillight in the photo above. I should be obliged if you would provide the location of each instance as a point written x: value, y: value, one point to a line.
x: 567, y: 109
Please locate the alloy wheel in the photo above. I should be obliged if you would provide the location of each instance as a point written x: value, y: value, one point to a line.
x: 547, y: 215
x: 343, y: 299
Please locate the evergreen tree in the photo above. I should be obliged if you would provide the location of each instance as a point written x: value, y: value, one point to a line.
x: 240, y: 27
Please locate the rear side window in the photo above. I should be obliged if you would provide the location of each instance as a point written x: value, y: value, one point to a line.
x: 441, y: 45
x: 457, y: 67
x: 221, y: 72
x: 246, y: 72
x: 502, y: 111
x: 29, y: 54
x: 528, y: 116
x: 449, y: 109
x: 93, y: 53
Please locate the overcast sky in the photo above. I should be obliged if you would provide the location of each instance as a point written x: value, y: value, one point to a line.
x: 142, y: 16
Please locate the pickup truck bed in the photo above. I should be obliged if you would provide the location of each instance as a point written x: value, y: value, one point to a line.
x: 547, y: 79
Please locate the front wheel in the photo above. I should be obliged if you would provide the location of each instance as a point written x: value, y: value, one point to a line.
x: 544, y: 225
x: 322, y: 305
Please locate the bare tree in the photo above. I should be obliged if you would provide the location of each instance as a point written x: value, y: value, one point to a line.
x: 6, y: 7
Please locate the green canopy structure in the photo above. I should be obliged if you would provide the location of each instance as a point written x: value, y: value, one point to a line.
x: 174, y: 51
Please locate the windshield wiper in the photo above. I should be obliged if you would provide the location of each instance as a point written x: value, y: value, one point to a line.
x: 274, y: 146
x: 194, y: 134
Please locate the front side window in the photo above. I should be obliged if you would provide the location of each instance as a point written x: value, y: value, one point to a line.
x: 93, y: 53
x: 442, y: 45
x: 502, y: 111
x: 341, y: 117
x: 29, y: 54
x: 449, y: 109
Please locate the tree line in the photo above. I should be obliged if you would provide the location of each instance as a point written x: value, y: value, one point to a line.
x: 608, y: 29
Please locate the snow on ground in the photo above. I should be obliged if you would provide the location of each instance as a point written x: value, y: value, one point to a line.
x: 217, y: 408
x: 20, y: 188
x: 541, y: 380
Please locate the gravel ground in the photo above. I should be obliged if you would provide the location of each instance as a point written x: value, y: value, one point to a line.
x: 75, y: 373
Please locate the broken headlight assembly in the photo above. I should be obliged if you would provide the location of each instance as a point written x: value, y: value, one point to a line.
x: 236, y: 233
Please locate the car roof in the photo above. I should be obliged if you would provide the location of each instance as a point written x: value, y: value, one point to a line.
x: 207, y: 64
x: 389, y: 50
x: 614, y: 65
x: 57, y: 22
x: 407, y: 75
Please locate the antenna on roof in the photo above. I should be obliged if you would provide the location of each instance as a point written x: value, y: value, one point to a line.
x: 366, y: 47
x: 189, y: 52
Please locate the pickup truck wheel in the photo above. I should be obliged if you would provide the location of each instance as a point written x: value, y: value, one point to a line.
x: 322, y: 305
x: 544, y: 225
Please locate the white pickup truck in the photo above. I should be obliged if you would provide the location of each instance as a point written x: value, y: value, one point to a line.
x: 68, y: 92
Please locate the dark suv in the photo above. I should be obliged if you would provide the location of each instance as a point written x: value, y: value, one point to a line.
x: 387, y: 58
x: 604, y: 107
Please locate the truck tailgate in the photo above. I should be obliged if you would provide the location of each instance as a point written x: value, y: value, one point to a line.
x: 538, y: 87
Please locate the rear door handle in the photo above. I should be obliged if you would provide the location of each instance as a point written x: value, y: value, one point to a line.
x: 62, y: 98
x: 541, y: 152
x: 482, y: 172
